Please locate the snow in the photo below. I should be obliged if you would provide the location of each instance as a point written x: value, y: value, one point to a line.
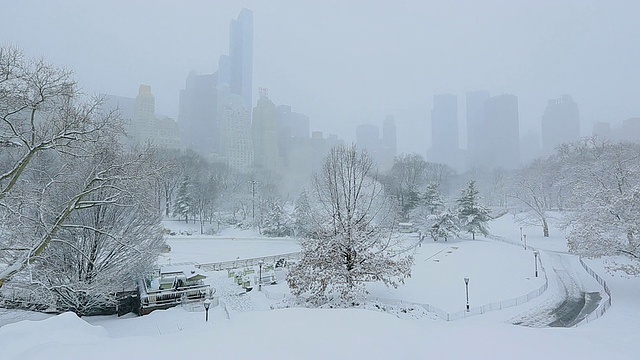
x: 497, y: 271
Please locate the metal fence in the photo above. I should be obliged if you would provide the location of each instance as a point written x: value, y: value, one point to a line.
x: 239, y: 263
x: 604, y: 305
x: 396, y: 302
x: 476, y: 310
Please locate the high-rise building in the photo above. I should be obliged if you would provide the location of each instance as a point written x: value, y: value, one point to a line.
x: 197, y: 114
x: 143, y: 114
x: 264, y: 128
x: 241, y: 56
x: 200, y: 115
x: 444, y: 131
x: 560, y: 123
x: 292, y: 123
x: 476, y: 137
x: 502, y: 132
x: 630, y: 130
x: 235, y: 120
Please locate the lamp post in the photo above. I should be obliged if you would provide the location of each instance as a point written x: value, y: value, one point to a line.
x: 207, y: 303
x: 260, y: 262
x: 253, y: 200
x: 466, y: 285
x: 525, y: 241
x: 535, y: 255
x: 521, y: 234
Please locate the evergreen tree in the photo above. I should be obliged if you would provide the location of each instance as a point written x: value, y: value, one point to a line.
x: 432, y: 199
x: 276, y: 221
x: 303, y: 222
x: 472, y: 215
x: 445, y: 225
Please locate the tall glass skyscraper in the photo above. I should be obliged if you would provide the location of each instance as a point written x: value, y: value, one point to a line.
x: 241, y: 56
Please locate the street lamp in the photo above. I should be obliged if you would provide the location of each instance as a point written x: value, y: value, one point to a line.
x: 466, y: 285
x: 253, y: 200
x: 525, y: 241
x: 535, y: 255
x: 521, y: 234
x: 207, y: 303
x: 260, y: 275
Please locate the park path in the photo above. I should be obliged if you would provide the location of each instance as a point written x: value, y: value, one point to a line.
x: 574, y: 303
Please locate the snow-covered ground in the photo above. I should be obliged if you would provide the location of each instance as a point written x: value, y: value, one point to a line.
x: 247, y: 329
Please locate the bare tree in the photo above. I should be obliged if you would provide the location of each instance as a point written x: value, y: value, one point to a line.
x: 405, y: 181
x: 350, y: 244
x: 531, y: 186
x: 52, y: 137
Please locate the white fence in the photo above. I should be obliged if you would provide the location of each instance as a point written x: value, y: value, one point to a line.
x: 602, y: 307
x: 476, y: 310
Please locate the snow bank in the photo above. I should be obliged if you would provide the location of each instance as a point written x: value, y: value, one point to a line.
x: 317, y: 334
x: 59, y: 331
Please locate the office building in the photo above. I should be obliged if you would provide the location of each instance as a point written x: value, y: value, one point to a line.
x: 560, y: 123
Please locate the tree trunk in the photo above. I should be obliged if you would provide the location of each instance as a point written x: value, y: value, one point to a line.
x: 545, y: 228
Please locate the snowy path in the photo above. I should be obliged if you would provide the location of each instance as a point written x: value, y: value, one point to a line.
x: 576, y: 299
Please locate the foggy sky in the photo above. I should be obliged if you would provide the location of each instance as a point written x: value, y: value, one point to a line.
x: 349, y: 62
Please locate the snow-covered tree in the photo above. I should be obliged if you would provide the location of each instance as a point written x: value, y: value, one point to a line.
x: 183, y: 203
x: 105, y: 248
x: 404, y: 181
x: 444, y: 225
x: 432, y: 199
x: 472, y: 214
x: 532, y: 186
x: 348, y: 247
x: 276, y: 221
x: 605, y: 216
x: 302, y: 216
x: 47, y: 133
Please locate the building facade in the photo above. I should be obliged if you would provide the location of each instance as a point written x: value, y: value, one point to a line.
x: 502, y: 132
x: 560, y: 123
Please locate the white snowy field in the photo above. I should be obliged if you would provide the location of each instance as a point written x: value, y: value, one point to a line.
x: 497, y: 271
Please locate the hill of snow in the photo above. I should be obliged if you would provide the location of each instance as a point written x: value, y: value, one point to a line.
x: 249, y: 330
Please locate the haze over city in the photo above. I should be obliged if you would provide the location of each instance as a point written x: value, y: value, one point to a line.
x: 346, y: 63
x: 319, y: 180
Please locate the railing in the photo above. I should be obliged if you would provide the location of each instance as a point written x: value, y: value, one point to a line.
x: 477, y: 310
x: 234, y: 264
x: 604, y: 305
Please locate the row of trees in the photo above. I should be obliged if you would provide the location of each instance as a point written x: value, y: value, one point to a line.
x: 347, y: 219
x: 596, y: 184
x: 346, y: 224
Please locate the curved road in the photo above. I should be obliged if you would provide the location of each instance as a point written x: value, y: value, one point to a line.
x: 576, y: 302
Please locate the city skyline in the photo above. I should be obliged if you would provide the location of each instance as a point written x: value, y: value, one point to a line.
x: 345, y: 64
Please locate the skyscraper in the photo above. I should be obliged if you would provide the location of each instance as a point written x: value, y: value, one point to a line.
x: 444, y: 130
x: 560, y: 123
x: 502, y: 132
x: 198, y: 114
x: 476, y: 137
x: 203, y: 120
x: 143, y: 114
x: 264, y: 128
x: 241, y: 56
